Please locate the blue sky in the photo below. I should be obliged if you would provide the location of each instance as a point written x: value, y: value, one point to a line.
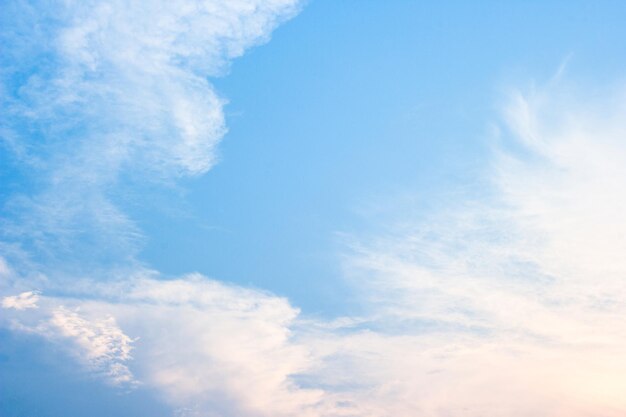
x: 352, y: 106
x: 275, y: 208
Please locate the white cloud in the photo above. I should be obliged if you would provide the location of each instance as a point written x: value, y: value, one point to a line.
x: 23, y: 301
x: 100, y: 344
x: 99, y: 90
x: 131, y: 77
x: 206, y: 347
x: 512, y: 305
x: 222, y: 346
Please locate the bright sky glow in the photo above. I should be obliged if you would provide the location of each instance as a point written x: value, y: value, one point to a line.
x: 276, y: 208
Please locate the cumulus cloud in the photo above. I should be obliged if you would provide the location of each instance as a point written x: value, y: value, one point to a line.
x: 219, y: 348
x: 99, y: 344
x: 94, y: 341
x: 206, y: 347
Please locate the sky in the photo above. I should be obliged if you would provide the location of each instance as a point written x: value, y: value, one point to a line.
x: 255, y: 208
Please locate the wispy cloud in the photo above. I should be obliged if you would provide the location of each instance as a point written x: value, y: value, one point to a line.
x: 94, y: 91
x: 511, y: 305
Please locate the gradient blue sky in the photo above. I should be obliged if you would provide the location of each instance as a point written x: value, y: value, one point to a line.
x: 329, y: 208
x: 351, y: 106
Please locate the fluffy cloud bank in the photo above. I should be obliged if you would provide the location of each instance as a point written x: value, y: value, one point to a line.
x: 208, y: 348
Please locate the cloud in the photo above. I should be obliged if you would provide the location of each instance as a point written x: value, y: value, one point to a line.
x: 508, y: 305
x: 220, y: 347
x: 125, y: 83
x: 206, y: 347
x: 98, y: 91
x: 100, y: 344
x: 98, y: 100
x: 511, y: 304
x: 23, y: 301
